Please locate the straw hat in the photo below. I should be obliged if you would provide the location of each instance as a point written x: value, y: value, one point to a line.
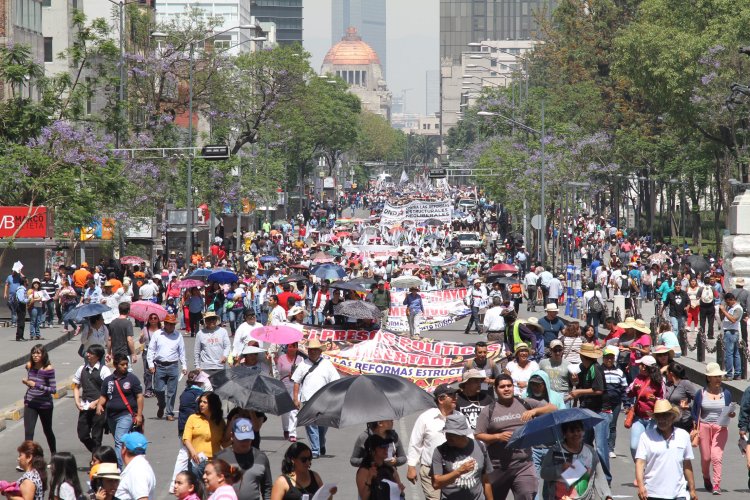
x: 714, y: 370
x: 628, y: 323
x: 534, y: 322
x: 210, y: 315
x: 664, y: 406
x: 641, y: 326
x: 590, y: 351
x: 314, y: 343
x: 551, y: 307
x: 107, y: 470
x: 521, y: 346
x: 661, y: 349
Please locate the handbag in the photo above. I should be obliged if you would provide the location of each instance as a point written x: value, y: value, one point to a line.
x: 630, y: 416
x: 134, y: 428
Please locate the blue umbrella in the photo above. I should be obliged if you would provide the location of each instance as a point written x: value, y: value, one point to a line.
x: 269, y: 258
x: 200, y: 273
x: 84, y: 311
x: 545, y: 430
x: 328, y: 271
x: 222, y: 276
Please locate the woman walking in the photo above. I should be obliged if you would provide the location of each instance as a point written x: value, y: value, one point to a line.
x: 33, y: 482
x: 286, y: 364
x: 646, y: 388
x: 40, y: 380
x: 36, y: 309
x: 151, y: 328
x: 204, y: 432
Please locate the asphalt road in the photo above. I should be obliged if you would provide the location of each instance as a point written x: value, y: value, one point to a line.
x: 335, y: 468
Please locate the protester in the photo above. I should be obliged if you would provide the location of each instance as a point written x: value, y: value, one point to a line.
x: 521, y: 368
x: 375, y: 469
x: 37, y: 402
x: 286, y: 364
x: 63, y: 482
x: 256, y: 481
x: 165, y: 355
x: 471, y: 398
x: 384, y: 429
x: 615, y: 386
x: 188, y: 487
x: 646, y: 388
x: 149, y: 330
x: 87, y: 389
x: 137, y: 480
x: 33, y: 483
x: 212, y: 344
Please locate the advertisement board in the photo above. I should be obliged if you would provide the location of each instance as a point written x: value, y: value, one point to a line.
x: 24, y: 222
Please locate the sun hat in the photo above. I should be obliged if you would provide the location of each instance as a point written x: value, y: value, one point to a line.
x: 647, y: 360
x: 551, y: 307
x: 456, y: 424
x: 294, y: 311
x: 170, y: 318
x: 739, y: 281
x: 521, y: 346
x: 210, y: 315
x: 555, y: 343
x: 243, y: 429
x: 661, y: 349
x: 641, y: 326
x: 135, y: 442
x: 590, y: 351
x: 628, y: 323
x: 314, y: 343
x: 106, y: 470
x: 611, y: 350
x: 476, y: 281
x: 534, y: 323
x: 664, y: 406
x: 473, y: 373
x: 714, y: 370
x: 36, y: 280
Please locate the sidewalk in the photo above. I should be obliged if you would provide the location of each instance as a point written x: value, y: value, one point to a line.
x: 17, y: 353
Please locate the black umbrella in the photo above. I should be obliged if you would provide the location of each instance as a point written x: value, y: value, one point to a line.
x: 698, y: 263
x: 293, y: 278
x: 362, y: 281
x: 348, y: 285
x: 358, y: 399
x: 357, y: 309
x: 500, y: 278
x: 248, y: 388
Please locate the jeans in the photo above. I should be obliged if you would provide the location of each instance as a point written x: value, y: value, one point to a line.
x: 677, y: 323
x: 35, y: 321
x: 119, y: 426
x: 599, y: 438
x: 707, y: 315
x: 316, y: 434
x: 30, y: 416
x: 473, y: 319
x: 13, y: 315
x: 732, y: 353
x: 640, y: 426
x: 613, y: 426
x: 50, y: 309
x: 165, y: 385
x: 69, y: 307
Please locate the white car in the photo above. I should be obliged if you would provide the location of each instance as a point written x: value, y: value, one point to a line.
x: 469, y: 241
x: 467, y: 204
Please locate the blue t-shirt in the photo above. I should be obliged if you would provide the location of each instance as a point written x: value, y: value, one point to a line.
x: 12, y: 281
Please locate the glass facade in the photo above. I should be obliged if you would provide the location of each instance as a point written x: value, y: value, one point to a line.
x: 368, y: 16
x: 286, y: 14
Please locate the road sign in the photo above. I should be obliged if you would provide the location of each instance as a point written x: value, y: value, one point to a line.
x: 536, y: 221
x: 438, y: 173
x: 218, y: 152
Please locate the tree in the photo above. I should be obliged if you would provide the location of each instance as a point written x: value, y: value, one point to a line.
x: 377, y: 140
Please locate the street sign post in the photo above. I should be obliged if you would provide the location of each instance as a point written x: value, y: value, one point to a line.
x: 438, y: 173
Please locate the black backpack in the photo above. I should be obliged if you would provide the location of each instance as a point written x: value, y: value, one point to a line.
x: 595, y: 305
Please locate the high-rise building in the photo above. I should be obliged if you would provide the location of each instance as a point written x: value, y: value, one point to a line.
x: 286, y: 14
x: 431, y: 92
x: 368, y: 16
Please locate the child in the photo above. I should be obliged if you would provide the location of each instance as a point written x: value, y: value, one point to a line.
x: 187, y: 487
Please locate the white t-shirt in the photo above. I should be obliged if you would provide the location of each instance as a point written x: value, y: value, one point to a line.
x: 137, y: 480
x: 323, y: 374
x: 519, y: 374
x: 735, y: 311
x: 664, y: 475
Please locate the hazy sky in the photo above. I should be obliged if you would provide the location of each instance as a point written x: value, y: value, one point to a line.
x: 413, y: 43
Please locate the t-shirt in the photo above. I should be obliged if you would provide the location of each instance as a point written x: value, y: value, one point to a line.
x: 471, y: 407
x: 119, y: 331
x: 137, y: 480
x: 205, y: 435
x: 505, y: 418
x: 592, y: 378
x: 559, y: 376
x: 520, y: 374
x: 256, y: 482
x: 130, y: 386
x: 664, y: 476
x: 468, y: 486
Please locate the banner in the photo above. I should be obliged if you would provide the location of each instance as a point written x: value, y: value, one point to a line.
x: 428, y: 363
x: 441, y: 308
x: 36, y: 226
x: 416, y: 211
x: 338, y: 335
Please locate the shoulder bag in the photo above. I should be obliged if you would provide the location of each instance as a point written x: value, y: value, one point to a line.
x: 630, y: 416
x: 135, y: 428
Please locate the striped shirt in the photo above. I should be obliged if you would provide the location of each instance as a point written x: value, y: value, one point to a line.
x: 40, y: 396
x: 615, y: 385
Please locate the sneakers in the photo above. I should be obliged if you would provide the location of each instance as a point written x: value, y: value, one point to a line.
x: 612, y: 454
x: 707, y: 484
x: 717, y: 490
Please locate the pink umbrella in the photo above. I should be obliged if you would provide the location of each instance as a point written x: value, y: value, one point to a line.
x: 278, y: 334
x: 142, y: 309
x: 131, y: 260
x: 190, y: 283
x: 410, y: 266
x: 503, y: 268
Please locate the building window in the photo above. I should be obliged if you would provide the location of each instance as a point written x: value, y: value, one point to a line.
x: 46, y: 3
x: 48, y: 57
x: 364, y: 78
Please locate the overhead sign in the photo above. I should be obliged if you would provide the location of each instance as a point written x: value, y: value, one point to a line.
x: 417, y: 211
x: 438, y: 173
x: 215, y: 152
x: 23, y: 222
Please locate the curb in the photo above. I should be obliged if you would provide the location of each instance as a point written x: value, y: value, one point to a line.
x: 13, y: 363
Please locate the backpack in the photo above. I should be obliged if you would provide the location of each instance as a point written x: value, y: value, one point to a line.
x: 595, y: 305
x: 624, y: 285
x: 706, y: 295
x: 647, y: 279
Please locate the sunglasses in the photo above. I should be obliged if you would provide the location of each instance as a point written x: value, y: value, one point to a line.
x: 306, y: 459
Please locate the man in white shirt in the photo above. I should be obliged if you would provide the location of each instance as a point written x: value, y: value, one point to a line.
x: 148, y: 291
x: 555, y: 288
x: 111, y: 300
x: 277, y: 316
x: 731, y: 315
x: 166, y: 352
x: 494, y: 323
x: 137, y: 481
x: 474, y: 299
x: 242, y: 335
x: 308, y: 378
x: 544, y: 280
x: 426, y: 435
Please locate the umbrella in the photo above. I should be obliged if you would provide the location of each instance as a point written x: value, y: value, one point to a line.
x: 328, y: 271
x: 357, y: 309
x: 222, y: 276
x: 343, y: 234
x: 84, y: 311
x: 433, y: 222
x: 410, y: 266
x: 200, y: 273
x: 292, y: 278
x: 359, y: 399
x: 190, y: 283
x: 504, y: 280
x: 248, y: 388
x: 406, y: 282
x: 658, y: 258
x: 299, y: 266
x: 131, y: 260
x: 269, y: 258
x: 362, y: 281
x: 545, y: 430
x: 321, y: 257
x: 278, y: 334
x: 142, y: 309
x: 698, y: 263
x: 348, y: 285
x: 503, y: 268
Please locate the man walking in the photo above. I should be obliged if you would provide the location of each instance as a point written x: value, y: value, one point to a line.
x: 212, y: 345
x: 314, y: 373
x: 137, y: 481
x: 87, y: 389
x: 381, y: 298
x: 731, y: 315
x: 414, y: 307
x: 475, y: 298
x: 256, y: 482
x: 121, y: 335
x: 166, y: 352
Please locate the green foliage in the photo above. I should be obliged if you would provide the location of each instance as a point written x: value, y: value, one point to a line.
x: 377, y: 140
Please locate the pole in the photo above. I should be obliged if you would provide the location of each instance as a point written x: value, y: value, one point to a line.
x: 238, y: 232
x: 121, y: 92
x: 189, y: 200
x: 543, y: 225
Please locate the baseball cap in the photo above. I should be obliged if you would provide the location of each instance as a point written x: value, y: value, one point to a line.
x: 135, y: 442
x: 647, y: 360
x: 555, y: 343
x: 611, y: 350
x: 444, y: 389
x: 243, y: 429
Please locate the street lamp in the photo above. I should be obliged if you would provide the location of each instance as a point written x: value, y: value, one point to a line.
x: 541, y: 135
x: 189, y: 200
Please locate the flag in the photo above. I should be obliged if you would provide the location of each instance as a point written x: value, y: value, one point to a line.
x: 404, y: 178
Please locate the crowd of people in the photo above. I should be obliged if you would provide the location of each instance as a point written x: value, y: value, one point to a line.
x: 456, y: 450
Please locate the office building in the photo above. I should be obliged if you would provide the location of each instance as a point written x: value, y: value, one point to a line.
x: 368, y: 16
x: 432, y: 91
x: 21, y: 23
x: 285, y: 14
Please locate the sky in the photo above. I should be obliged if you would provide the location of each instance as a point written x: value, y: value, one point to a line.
x: 413, y: 43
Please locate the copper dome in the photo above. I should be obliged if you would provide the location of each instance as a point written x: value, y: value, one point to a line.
x: 351, y: 51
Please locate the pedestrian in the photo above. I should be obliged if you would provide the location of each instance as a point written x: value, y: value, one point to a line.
x: 19, y: 303
x: 297, y: 478
x: 37, y: 402
x: 381, y: 298
x: 375, y: 469
x: 383, y: 428
x: 256, y: 482
x: 461, y: 466
x: 63, y: 482
x: 219, y: 479
x: 121, y: 335
x: 121, y: 401
x: 286, y: 364
x: 678, y: 301
x: 711, y: 435
x: 539, y: 390
x: 33, y: 483
x: 491, y: 367
x: 137, y: 480
x: 414, y: 308
x: 470, y: 398
x: 476, y: 298
x: 188, y: 487
x: 87, y: 387
x: 12, y: 282
x: 68, y: 300
x: 204, y: 432
x: 242, y: 335
x: 426, y: 435
x: 572, y: 340
x: 151, y: 328
x: 513, y: 470
x: 212, y: 344
x: 731, y: 314
x: 312, y: 374
x: 551, y: 324
x: 105, y: 479
x: 646, y: 388
x: 194, y: 387
x: 194, y: 305
x: 615, y: 385
x: 521, y: 368
x: 663, y: 467
x: 36, y: 308
x: 165, y: 356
